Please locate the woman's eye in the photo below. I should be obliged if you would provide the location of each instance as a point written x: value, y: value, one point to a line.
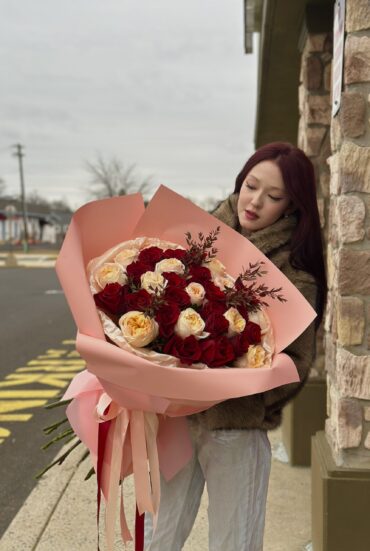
x: 249, y: 186
x: 275, y: 198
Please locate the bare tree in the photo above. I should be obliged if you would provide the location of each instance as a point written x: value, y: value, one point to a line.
x: 112, y: 177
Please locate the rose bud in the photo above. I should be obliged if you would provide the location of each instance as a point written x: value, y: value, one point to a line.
x: 189, y: 323
x: 138, y: 329
x: 236, y: 321
x: 196, y: 293
x: 110, y: 273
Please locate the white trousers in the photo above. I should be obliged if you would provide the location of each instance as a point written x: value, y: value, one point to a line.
x: 235, y: 464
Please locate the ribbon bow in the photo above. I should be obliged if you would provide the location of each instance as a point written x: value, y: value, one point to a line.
x: 117, y: 424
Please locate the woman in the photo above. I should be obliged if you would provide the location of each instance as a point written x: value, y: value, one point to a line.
x: 274, y: 205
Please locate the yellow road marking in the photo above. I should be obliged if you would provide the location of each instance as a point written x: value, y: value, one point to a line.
x: 53, y: 353
x: 58, y: 380
x: 15, y: 405
x: 55, y: 369
x: 28, y: 393
x: 7, y: 417
x: 57, y: 362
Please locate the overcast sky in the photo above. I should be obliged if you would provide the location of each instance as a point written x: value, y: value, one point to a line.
x: 165, y: 85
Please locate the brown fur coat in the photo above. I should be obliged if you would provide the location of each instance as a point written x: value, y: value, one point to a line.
x: 264, y: 410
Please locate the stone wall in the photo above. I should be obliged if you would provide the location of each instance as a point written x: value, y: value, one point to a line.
x: 347, y: 323
x: 314, y: 135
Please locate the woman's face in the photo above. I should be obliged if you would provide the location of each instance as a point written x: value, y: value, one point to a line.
x: 262, y: 198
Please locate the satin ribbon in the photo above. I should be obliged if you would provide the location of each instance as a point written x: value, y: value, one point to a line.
x: 142, y: 428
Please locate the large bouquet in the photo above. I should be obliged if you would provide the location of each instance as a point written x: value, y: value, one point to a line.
x: 178, y: 307
x: 128, y: 407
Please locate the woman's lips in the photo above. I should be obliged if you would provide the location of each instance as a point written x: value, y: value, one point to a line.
x: 251, y: 215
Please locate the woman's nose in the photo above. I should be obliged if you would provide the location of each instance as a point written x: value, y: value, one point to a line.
x: 256, y: 200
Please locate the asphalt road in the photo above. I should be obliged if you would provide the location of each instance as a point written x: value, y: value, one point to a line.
x: 37, y: 360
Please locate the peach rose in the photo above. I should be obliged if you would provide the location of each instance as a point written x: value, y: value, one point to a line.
x: 256, y: 356
x: 170, y: 265
x: 189, y: 323
x: 110, y: 272
x: 223, y: 281
x: 153, y: 282
x: 216, y: 267
x: 236, y: 321
x: 138, y: 329
x: 196, y: 293
x: 125, y: 257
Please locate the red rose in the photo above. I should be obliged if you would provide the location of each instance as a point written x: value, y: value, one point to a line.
x: 166, y: 318
x: 141, y: 300
x: 240, y: 344
x: 213, y: 292
x: 217, y: 353
x: 252, y: 332
x: 177, y: 295
x: 175, y: 280
x: 112, y: 298
x: 151, y: 255
x: 212, y: 308
x: 199, y: 274
x: 189, y: 350
x: 175, y: 253
x: 136, y: 269
x: 208, y: 350
x: 216, y: 324
x: 172, y: 346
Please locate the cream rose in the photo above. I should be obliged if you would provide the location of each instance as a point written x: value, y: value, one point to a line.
x: 189, y: 323
x: 153, y: 282
x: 236, y: 321
x: 170, y: 265
x: 110, y: 273
x: 196, y: 293
x: 215, y: 266
x: 138, y: 329
x: 256, y: 356
x: 223, y: 281
x: 125, y: 257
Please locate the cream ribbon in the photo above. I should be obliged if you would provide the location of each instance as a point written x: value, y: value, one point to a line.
x: 143, y: 438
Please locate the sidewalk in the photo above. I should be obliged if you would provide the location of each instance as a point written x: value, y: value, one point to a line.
x: 40, y: 259
x: 60, y: 513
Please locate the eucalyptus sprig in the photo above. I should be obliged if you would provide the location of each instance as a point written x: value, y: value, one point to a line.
x: 202, y: 250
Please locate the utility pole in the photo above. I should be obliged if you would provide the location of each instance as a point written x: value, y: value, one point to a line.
x: 19, y: 153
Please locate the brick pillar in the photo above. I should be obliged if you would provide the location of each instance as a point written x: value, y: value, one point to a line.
x: 347, y: 322
x: 341, y: 454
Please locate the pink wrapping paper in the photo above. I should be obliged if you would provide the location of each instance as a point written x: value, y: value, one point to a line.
x: 135, y: 383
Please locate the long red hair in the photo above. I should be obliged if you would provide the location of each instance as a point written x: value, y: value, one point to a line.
x: 306, y: 246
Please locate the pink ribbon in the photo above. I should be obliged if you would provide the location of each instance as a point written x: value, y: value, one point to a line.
x: 142, y: 428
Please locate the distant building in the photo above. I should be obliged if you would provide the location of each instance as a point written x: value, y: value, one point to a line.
x: 44, y: 224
